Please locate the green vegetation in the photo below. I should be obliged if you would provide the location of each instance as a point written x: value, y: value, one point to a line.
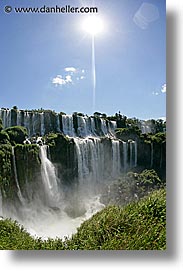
x: 128, y: 131
x: 27, y: 163
x: 157, y: 138
x: 131, y: 187
x: 17, y: 134
x: 4, y: 137
x: 137, y: 226
x: 7, y: 186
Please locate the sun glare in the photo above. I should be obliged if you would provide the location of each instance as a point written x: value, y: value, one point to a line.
x: 93, y: 25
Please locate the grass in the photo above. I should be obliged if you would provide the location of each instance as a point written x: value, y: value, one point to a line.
x: 137, y: 226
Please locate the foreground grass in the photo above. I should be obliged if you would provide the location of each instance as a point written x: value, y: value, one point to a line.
x: 137, y: 226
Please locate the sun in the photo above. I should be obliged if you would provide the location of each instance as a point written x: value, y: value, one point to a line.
x: 93, y: 25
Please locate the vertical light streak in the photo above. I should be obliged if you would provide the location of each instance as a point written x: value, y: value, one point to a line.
x: 93, y: 72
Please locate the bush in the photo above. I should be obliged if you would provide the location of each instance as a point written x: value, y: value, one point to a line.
x: 131, y: 187
x: 4, y: 138
x: 137, y: 226
x: 17, y: 134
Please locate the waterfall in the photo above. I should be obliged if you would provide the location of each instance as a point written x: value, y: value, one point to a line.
x: 116, y: 161
x: 104, y: 127
x: 92, y: 160
x: 49, y: 178
x: 135, y: 144
x: 133, y: 153
x: 45, y: 122
x: 42, y: 124
x: 112, y: 126
x: 92, y: 126
x: 19, y: 118
x: 16, y: 178
x: 58, y: 123
x: 67, y: 124
x: 125, y: 154
x: 82, y: 128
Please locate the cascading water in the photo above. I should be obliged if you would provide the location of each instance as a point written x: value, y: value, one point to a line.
x: 48, y: 209
x: 19, y: 193
x: 133, y: 153
x: 97, y: 161
x: 116, y: 160
x: 49, y: 179
x: 125, y: 153
x: 47, y: 212
x: 68, y: 126
x: 44, y: 122
x: 135, y: 163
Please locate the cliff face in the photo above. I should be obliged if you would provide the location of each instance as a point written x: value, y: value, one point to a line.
x: 82, y: 149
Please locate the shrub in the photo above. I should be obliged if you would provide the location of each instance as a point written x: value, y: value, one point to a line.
x: 17, y: 134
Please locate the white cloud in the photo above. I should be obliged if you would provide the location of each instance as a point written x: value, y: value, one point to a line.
x: 59, y: 80
x: 163, y: 88
x: 70, y: 69
x: 70, y: 75
x: 155, y: 93
x: 68, y: 79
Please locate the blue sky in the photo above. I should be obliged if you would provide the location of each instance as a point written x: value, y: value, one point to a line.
x: 45, y: 59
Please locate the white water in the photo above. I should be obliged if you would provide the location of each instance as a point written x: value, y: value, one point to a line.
x: 133, y: 153
x: 90, y: 156
x: 47, y: 212
x: 19, y: 193
x: 49, y: 178
x: 41, y: 122
x: 116, y: 160
x: 67, y: 124
x: 135, y: 143
x: 125, y: 152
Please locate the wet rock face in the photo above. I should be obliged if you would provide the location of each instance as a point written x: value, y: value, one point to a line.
x: 81, y: 147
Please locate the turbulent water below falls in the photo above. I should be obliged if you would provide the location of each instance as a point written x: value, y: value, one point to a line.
x: 47, y: 222
x: 51, y: 213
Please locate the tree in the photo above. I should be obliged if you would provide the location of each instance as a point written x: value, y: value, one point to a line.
x: 15, y: 108
x: 17, y: 134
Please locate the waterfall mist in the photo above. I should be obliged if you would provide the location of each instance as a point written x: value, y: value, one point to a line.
x: 66, y: 188
x: 49, y: 208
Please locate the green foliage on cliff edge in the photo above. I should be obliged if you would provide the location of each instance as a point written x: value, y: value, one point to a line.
x: 137, y: 226
x: 17, y: 134
x: 131, y: 187
x: 6, y: 174
x: 27, y: 162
